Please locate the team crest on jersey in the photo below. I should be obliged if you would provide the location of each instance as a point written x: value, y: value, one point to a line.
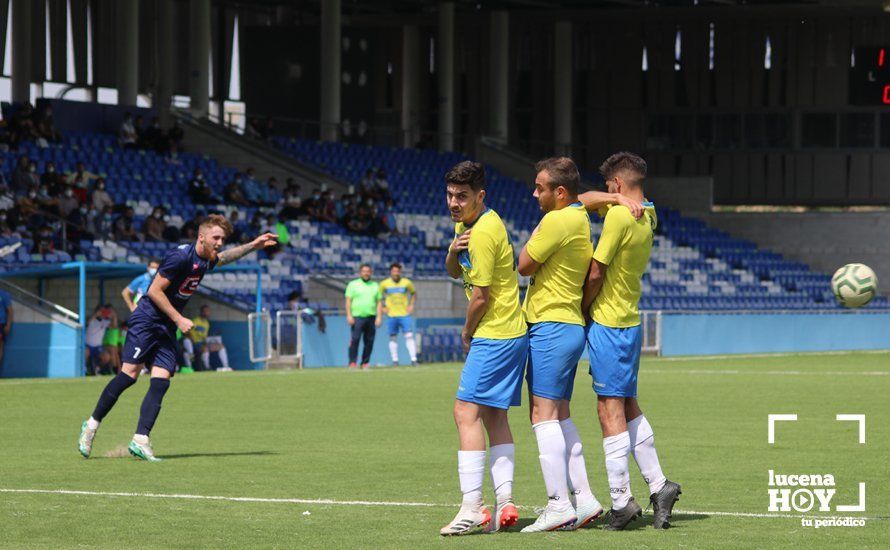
x: 189, y: 286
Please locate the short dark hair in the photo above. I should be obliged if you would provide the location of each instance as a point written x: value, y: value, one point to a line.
x: 467, y: 173
x: 364, y: 266
x: 562, y: 171
x: 395, y: 264
x: 154, y: 260
x: 622, y: 161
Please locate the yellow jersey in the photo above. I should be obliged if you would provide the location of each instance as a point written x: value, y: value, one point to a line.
x: 489, y: 262
x: 201, y: 329
x: 562, y: 246
x: 624, y: 246
x: 396, y: 296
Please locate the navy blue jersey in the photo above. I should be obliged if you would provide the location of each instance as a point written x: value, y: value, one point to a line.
x: 184, y: 269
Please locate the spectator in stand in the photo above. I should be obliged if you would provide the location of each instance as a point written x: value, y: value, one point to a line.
x: 360, y: 222
x: 4, y: 181
x: 139, y: 126
x: 126, y: 136
x: 155, y: 138
x: 78, y: 224
x: 238, y: 234
x: 251, y: 188
x: 80, y: 171
x: 273, y: 194
x: 292, y: 186
x: 366, y: 186
x: 155, y: 225
x: 172, y: 155
x: 293, y: 207
x: 25, y: 176
x: 23, y: 124
x: 189, y: 231
x: 233, y: 193
x: 124, y: 227
x: 43, y: 241
x: 53, y: 179
x: 47, y: 201
x: 328, y: 208
x: 103, y: 222
x: 175, y: 134
x: 6, y: 230
x: 312, y: 205
x: 381, y: 186
x: 199, y: 189
x: 101, y: 198
x: 44, y: 125
x: 68, y: 203
x: 29, y: 209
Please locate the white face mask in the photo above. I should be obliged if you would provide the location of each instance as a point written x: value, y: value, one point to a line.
x: 152, y: 271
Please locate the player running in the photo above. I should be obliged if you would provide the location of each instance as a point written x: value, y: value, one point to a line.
x: 151, y: 339
x: 614, y: 340
x: 397, y: 298
x: 557, y: 257
x: 494, y: 337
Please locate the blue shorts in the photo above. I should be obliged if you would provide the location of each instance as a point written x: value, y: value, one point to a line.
x: 492, y: 374
x: 553, y: 353
x: 151, y: 344
x: 394, y: 324
x: 614, y: 359
x: 94, y: 353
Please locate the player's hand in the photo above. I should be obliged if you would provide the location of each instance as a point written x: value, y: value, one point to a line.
x: 264, y: 241
x: 466, y: 339
x: 461, y: 242
x: 184, y: 324
x: 636, y: 208
x: 378, y: 321
x: 6, y: 330
x: 410, y: 309
x: 350, y: 320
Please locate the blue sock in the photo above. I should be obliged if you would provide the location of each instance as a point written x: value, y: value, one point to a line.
x: 151, y: 405
x: 112, y: 391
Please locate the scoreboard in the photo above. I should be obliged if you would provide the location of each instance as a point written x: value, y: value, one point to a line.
x: 870, y: 76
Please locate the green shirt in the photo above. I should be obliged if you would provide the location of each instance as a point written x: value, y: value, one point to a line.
x: 364, y: 297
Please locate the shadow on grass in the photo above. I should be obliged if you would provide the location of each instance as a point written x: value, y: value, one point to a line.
x: 677, y: 521
x: 122, y: 452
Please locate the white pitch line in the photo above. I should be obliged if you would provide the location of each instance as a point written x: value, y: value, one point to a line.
x: 801, y: 354
x: 374, y: 503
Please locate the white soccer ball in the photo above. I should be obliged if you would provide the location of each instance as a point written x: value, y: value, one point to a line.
x: 854, y: 285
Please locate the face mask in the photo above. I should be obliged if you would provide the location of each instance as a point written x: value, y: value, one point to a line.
x: 33, y: 169
x: 108, y: 217
x: 316, y: 197
x: 50, y: 169
x: 83, y: 210
x: 32, y: 195
x: 158, y: 215
x: 69, y: 193
x: 2, y: 217
x: 199, y: 177
x: 101, y: 186
x: 152, y: 271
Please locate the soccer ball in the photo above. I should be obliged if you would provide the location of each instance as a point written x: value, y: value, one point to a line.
x: 854, y: 285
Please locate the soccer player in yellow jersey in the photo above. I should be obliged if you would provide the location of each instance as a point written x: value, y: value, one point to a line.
x: 614, y: 339
x: 396, y: 298
x: 494, y: 337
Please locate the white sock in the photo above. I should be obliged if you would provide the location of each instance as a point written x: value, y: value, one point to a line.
x: 205, y: 358
x: 92, y: 423
x: 501, y: 463
x: 141, y: 439
x: 575, y: 464
x: 471, y: 471
x: 642, y: 446
x: 411, y: 345
x: 552, y: 453
x: 394, y: 350
x: 616, y: 448
x: 224, y: 358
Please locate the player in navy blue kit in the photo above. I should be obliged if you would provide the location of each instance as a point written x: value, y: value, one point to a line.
x: 151, y: 339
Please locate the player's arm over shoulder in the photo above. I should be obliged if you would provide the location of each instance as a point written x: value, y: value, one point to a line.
x: 615, y: 225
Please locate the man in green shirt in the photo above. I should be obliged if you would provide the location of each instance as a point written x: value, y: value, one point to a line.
x: 362, y: 314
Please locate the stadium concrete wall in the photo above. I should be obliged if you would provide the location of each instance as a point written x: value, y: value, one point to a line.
x: 704, y: 334
x: 330, y: 349
x: 38, y: 347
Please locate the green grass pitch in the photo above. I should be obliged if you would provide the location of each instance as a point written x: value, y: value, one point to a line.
x: 388, y: 436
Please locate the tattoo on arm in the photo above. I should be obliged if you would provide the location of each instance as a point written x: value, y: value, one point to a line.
x: 235, y: 253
